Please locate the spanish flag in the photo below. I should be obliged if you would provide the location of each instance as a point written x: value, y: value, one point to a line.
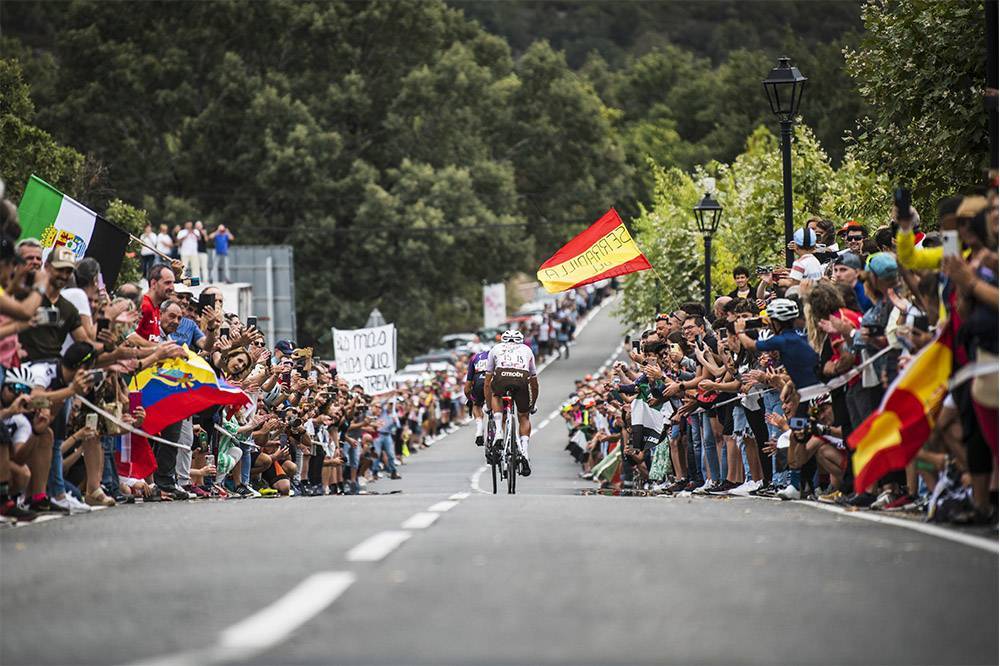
x: 889, y: 438
x: 604, y: 250
x: 177, y: 388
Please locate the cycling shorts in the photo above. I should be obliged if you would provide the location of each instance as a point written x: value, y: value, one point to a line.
x: 513, y: 382
x: 478, y: 392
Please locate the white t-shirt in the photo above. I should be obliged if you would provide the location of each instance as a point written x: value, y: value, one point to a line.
x: 806, y: 267
x: 511, y: 356
x: 189, y: 242
x: 21, y: 430
x: 164, y: 243
x: 81, y: 302
x: 148, y: 239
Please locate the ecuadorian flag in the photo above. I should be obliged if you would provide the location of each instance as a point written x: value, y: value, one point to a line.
x: 179, y: 387
x: 604, y: 250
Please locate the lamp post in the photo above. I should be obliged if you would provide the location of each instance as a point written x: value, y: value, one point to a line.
x: 707, y: 214
x: 784, y: 87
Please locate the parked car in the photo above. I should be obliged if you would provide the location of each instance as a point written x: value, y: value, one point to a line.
x: 459, y: 341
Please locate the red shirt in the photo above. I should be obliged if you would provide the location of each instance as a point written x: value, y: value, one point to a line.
x: 149, y: 325
x: 836, y: 338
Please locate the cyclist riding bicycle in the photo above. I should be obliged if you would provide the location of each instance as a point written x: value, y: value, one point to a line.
x: 475, y: 383
x: 510, y: 367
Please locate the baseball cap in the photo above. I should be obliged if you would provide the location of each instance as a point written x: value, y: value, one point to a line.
x: 804, y: 237
x: 850, y: 260
x: 883, y: 265
x: 852, y: 225
x: 77, y: 354
x: 284, y: 346
x: 971, y: 206
x: 62, y: 257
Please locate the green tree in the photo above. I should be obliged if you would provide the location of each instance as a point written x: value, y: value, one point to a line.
x: 28, y: 149
x: 133, y: 220
x: 751, y: 232
x: 921, y: 69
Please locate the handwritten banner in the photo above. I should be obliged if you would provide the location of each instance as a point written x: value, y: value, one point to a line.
x: 367, y: 356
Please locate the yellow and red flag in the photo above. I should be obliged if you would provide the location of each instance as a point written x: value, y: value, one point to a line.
x: 604, y: 250
x: 889, y: 438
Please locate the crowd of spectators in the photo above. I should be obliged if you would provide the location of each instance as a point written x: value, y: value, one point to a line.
x: 744, y: 391
x: 203, y: 253
x: 69, y: 348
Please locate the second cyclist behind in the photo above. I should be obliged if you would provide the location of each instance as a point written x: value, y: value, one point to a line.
x: 510, y: 366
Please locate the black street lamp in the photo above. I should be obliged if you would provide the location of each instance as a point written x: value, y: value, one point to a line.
x: 784, y: 87
x: 707, y: 214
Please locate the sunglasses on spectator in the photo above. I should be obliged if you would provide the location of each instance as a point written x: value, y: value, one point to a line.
x: 855, y: 238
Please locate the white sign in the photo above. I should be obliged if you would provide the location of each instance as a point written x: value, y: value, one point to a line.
x: 367, y: 356
x: 494, y: 304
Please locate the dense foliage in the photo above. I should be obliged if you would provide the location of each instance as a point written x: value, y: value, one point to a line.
x: 409, y: 154
x: 922, y: 70
x: 752, y: 228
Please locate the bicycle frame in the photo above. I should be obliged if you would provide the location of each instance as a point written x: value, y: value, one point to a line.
x: 509, y: 457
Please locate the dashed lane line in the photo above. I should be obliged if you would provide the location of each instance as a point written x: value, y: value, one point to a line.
x: 441, y: 507
x: 420, y: 521
x: 377, y: 546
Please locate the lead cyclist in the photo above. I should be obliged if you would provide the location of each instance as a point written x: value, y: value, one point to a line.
x: 511, y: 366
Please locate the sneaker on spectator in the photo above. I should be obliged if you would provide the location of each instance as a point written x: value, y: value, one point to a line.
x: 899, y: 503
x: 195, y: 491
x: 174, y: 493
x: 722, y: 487
x: 861, y: 500
x: 677, y: 486
x: 691, y: 486
x: 918, y: 504
x: 267, y: 492
x: 71, y: 504
x: 884, y: 498
x: 746, y: 488
x: 703, y: 488
x: 831, y: 497
x: 43, y: 504
x: 11, y: 510
x: 789, y: 493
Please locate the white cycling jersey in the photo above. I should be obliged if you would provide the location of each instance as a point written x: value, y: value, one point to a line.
x: 511, y: 356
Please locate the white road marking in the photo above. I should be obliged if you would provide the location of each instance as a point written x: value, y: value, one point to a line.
x: 274, y: 624
x: 459, y: 496
x: 474, y: 480
x: 542, y: 424
x: 989, y: 545
x: 419, y: 521
x: 375, y: 547
x: 441, y: 507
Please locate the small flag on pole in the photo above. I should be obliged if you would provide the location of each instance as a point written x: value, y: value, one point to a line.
x: 604, y: 250
x: 58, y: 221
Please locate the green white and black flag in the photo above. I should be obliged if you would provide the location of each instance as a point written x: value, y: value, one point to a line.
x: 648, y: 424
x: 57, y: 220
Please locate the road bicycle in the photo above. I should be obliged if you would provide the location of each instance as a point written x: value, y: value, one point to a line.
x: 509, y: 458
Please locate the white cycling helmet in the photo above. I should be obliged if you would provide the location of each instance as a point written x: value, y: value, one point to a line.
x: 782, y: 309
x: 516, y: 336
x: 17, y: 376
x: 507, y: 336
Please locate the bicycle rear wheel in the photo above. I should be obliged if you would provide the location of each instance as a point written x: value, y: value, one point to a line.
x: 512, y: 452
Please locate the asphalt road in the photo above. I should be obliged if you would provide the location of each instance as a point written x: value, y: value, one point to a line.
x: 546, y: 576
